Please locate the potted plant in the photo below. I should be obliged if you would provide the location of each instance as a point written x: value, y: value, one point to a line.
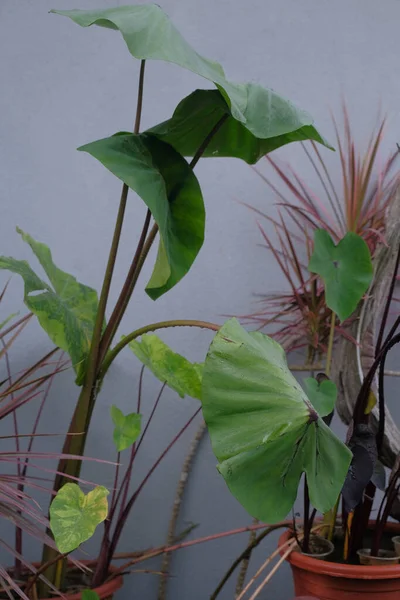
x: 249, y: 454
x: 228, y: 121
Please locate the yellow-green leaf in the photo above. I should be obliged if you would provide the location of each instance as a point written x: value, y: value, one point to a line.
x: 74, y: 516
x: 179, y: 373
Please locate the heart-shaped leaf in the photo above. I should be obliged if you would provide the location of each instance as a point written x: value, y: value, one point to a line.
x: 74, y: 516
x: 322, y: 395
x: 263, y: 428
x: 346, y: 270
x: 127, y: 428
x: 66, y: 309
x: 203, y: 109
x: 149, y: 34
x: 169, y: 188
x: 180, y: 374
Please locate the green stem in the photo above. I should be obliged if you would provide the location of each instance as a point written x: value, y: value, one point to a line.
x: 330, y: 344
x: 128, y: 287
x: 112, y: 355
x: 84, y: 407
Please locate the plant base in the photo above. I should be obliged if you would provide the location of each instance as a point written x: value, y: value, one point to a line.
x: 334, y: 581
x: 104, y: 591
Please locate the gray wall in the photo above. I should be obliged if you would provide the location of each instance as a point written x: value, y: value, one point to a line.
x: 62, y: 86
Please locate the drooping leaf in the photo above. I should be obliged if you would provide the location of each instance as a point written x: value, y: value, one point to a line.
x: 363, y: 447
x: 263, y: 429
x: 180, y: 374
x: 66, y: 309
x: 322, y: 395
x: 127, y: 428
x: 149, y: 34
x: 90, y: 595
x: 200, y: 112
x: 346, y: 270
x: 74, y: 516
x: 169, y: 188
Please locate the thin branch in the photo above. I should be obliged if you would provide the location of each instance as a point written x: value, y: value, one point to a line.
x: 246, y: 553
x: 183, y: 479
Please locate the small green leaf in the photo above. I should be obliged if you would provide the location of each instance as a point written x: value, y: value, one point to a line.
x: 203, y: 109
x: 346, y: 270
x: 66, y: 310
x: 322, y: 395
x: 149, y: 34
x: 74, y: 516
x: 127, y: 428
x: 180, y: 374
x: 90, y: 595
x: 169, y: 188
x: 263, y: 428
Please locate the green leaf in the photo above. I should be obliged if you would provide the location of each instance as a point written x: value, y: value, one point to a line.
x: 90, y: 595
x: 179, y: 374
x: 66, y: 310
x: 149, y: 34
x: 169, y: 188
x: 203, y: 109
x: 346, y: 270
x: 322, y: 395
x: 127, y: 428
x: 263, y: 428
x: 74, y: 516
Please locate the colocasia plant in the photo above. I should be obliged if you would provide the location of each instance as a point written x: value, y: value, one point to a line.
x: 265, y: 430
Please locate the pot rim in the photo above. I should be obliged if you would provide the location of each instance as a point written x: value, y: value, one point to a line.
x: 322, y: 567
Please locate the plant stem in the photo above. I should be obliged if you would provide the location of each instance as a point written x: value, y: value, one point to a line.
x: 387, y: 305
x: 83, y: 410
x: 112, y: 355
x: 290, y: 543
x: 245, y: 563
x: 246, y: 553
x: 183, y: 479
x: 125, y: 295
x: 306, y: 539
x: 122, y: 518
x: 330, y: 345
x: 157, y: 551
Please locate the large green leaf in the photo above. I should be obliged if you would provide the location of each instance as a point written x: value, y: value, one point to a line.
x: 346, y: 270
x: 74, y: 516
x: 127, y: 428
x: 66, y: 310
x: 168, y: 186
x: 180, y: 374
x: 203, y: 109
x: 149, y: 34
x: 263, y: 429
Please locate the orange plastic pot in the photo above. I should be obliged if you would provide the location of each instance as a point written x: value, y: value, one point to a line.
x: 333, y: 581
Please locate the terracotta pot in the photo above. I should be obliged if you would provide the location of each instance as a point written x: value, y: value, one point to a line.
x: 104, y: 591
x: 334, y: 581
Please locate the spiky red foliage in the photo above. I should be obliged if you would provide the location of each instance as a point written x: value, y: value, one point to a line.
x: 300, y: 316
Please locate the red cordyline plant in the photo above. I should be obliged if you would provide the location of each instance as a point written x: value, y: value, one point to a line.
x: 358, y: 204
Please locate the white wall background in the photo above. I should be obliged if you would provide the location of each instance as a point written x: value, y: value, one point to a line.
x: 62, y: 86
